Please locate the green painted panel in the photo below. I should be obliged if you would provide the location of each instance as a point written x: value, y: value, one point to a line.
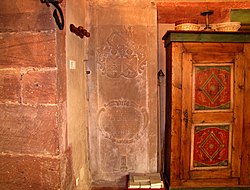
x: 201, y: 36
x: 240, y: 15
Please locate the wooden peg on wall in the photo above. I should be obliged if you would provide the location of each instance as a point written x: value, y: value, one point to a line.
x: 79, y: 31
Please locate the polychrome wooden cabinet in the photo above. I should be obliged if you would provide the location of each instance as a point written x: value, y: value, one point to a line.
x: 207, y: 109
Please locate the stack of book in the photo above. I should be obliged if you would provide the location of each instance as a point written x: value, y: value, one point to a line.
x: 145, y: 181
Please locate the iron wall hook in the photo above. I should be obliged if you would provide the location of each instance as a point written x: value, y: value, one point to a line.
x: 55, y: 3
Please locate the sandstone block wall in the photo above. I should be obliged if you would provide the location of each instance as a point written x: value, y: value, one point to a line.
x: 31, y: 98
x: 170, y: 12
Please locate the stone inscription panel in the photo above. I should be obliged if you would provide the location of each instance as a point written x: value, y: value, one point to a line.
x: 125, y: 102
x: 121, y: 56
x: 122, y: 91
x: 122, y: 121
x: 119, y: 159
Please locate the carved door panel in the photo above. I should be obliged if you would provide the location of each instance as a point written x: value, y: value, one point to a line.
x: 212, y: 105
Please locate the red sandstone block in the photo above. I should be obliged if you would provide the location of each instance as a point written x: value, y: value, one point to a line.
x: 27, y: 49
x: 29, y: 172
x: 25, y: 15
x: 10, y: 87
x: 39, y: 87
x: 15, y: 22
x: 26, y: 129
x: 170, y: 12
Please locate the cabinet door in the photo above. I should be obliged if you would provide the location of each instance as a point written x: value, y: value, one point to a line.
x: 212, y: 106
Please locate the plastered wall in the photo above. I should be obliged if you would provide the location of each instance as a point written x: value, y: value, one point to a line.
x: 77, y: 139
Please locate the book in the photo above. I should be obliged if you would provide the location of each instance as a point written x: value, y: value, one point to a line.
x: 155, y: 180
x: 145, y: 184
x: 141, y: 178
x: 145, y: 180
x: 133, y: 185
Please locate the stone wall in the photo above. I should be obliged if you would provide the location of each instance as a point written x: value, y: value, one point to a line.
x: 122, y: 90
x: 170, y: 12
x: 32, y: 97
